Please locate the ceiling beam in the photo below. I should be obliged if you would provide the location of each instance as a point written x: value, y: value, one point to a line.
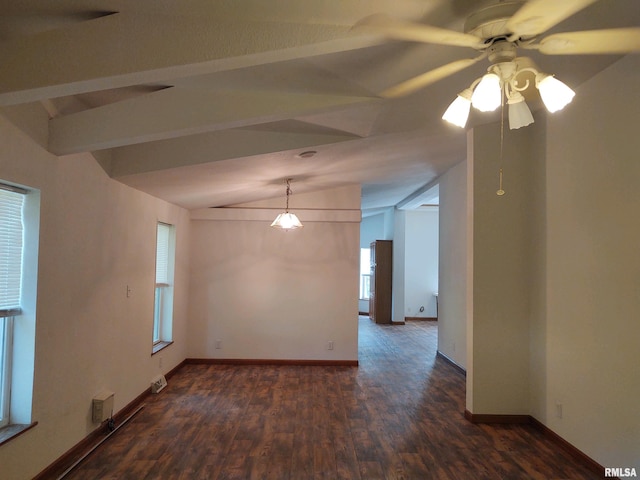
x: 420, y: 196
x: 175, y: 112
x: 213, y: 147
x: 134, y: 48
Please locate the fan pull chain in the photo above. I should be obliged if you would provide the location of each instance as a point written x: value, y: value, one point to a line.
x: 500, y: 191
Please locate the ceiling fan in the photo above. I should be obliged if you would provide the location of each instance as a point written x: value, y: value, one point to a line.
x: 498, y: 31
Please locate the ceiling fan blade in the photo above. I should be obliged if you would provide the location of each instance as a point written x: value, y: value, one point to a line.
x: 614, y: 40
x: 432, y: 76
x: 417, y: 32
x: 538, y: 16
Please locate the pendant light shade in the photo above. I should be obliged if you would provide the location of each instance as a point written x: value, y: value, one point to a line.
x: 519, y: 113
x: 458, y: 111
x: 488, y: 94
x: 286, y: 220
x: 555, y: 94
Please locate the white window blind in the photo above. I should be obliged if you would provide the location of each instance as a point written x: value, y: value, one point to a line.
x: 162, y: 253
x: 11, y: 232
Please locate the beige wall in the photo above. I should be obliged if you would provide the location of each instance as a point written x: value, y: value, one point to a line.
x: 591, y: 332
x: 452, y: 270
x: 502, y: 266
x: 558, y: 325
x: 96, y: 237
x: 555, y: 265
x: 269, y: 294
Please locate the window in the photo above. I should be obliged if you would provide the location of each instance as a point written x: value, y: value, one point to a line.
x: 11, y: 232
x: 163, y: 304
x: 6, y: 335
x: 19, y: 232
x: 365, y: 270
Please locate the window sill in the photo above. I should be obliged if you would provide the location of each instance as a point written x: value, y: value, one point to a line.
x: 10, y: 432
x: 160, y: 346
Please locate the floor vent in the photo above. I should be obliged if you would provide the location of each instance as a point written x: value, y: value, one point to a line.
x: 158, y: 383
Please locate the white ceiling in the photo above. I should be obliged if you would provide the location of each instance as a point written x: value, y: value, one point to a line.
x: 209, y: 103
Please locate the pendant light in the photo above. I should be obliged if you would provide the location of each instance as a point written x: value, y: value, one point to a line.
x: 286, y: 220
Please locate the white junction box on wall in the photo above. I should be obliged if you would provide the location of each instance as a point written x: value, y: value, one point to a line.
x: 102, y: 407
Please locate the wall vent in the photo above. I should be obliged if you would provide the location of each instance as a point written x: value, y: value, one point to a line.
x: 102, y: 407
x: 158, y: 383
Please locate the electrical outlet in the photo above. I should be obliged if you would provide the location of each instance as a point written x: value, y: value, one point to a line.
x: 330, y: 345
x: 218, y: 344
x: 128, y: 291
x: 558, y: 410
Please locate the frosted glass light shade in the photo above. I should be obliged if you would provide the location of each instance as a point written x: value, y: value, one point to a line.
x: 519, y: 113
x: 555, y: 94
x: 488, y: 94
x: 287, y: 221
x: 458, y: 112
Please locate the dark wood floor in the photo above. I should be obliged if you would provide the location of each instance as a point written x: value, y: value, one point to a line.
x: 399, y: 415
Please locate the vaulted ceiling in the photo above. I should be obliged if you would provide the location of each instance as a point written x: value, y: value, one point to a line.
x: 211, y: 103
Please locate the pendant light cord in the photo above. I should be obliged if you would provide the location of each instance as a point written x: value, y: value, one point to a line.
x: 288, y: 193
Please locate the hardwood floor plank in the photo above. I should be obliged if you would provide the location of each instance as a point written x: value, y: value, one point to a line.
x: 399, y: 415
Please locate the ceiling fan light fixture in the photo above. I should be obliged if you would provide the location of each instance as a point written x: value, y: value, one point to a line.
x: 488, y: 94
x: 458, y: 112
x: 519, y: 113
x: 555, y: 94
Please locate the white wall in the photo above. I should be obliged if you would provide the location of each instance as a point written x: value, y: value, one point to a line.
x: 96, y: 237
x: 452, y: 271
x: 415, y: 237
x: 589, y: 338
x: 371, y: 229
x: 269, y: 294
x: 421, y: 262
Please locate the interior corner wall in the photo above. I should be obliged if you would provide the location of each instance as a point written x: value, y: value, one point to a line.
x: 262, y: 293
x: 371, y: 229
x: 97, y: 237
x: 453, y: 262
x: 421, y: 263
x: 591, y: 328
x: 501, y: 266
x: 389, y: 224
